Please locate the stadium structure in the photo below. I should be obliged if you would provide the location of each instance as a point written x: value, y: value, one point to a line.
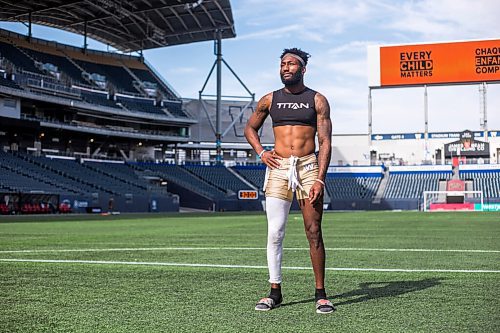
x: 91, y: 131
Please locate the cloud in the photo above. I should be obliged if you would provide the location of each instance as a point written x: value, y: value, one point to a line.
x: 271, y: 33
x: 182, y: 70
x: 314, y: 21
x: 355, y: 46
x: 336, y: 33
x: 447, y: 19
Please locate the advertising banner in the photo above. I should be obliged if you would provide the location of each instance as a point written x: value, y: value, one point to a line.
x: 436, y: 63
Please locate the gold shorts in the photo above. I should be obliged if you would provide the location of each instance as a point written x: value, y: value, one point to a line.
x: 294, y: 175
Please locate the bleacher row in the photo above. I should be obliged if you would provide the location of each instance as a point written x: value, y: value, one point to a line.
x: 20, y: 172
x: 27, y: 57
x: 412, y: 185
x: 73, y: 73
x: 487, y: 181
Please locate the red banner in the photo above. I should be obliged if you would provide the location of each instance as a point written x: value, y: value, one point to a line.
x: 456, y: 206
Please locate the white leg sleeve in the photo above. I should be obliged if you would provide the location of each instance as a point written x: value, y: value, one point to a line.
x: 277, y: 215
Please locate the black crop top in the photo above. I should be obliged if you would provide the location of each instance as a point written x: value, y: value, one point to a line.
x: 293, y: 109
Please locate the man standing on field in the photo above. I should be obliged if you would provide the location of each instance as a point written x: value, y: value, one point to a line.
x: 298, y: 114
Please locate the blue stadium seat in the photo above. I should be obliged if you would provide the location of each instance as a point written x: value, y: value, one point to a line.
x: 253, y: 174
x: 180, y: 176
x: 63, y: 64
x: 8, y: 83
x: 140, y: 105
x: 411, y: 185
x: 218, y: 176
x: 98, y: 99
x: 351, y: 186
x: 147, y: 76
x: 118, y: 76
x: 487, y: 181
x: 19, y: 59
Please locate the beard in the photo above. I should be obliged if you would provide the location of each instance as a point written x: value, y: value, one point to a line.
x: 294, y: 79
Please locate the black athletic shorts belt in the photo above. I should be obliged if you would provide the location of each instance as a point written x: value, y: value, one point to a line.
x: 293, y: 109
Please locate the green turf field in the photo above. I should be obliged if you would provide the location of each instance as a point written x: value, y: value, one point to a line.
x: 387, y: 272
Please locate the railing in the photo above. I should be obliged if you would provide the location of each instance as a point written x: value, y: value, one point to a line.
x: 57, y: 88
x: 38, y: 81
x: 117, y: 129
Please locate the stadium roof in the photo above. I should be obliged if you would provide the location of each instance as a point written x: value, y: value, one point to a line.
x: 128, y: 25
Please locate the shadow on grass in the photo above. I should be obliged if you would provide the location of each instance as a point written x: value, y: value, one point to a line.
x: 373, y: 290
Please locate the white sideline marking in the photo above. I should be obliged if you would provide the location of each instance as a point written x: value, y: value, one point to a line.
x: 243, y: 249
x: 141, y: 263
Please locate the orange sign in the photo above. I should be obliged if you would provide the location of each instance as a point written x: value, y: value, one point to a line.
x: 440, y: 63
x: 248, y: 195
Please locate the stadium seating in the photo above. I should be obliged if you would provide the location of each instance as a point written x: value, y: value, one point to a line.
x: 131, y: 104
x: 18, y: 58
x: 125, y: 174
x: 218, y: 176
x: 146, y: 76
x: 175, y: 108
x: 97, y: 179
x: 23, y: 173
x: 351, y: 186
x: 14, y: 182
x: 343, y: 186
x: 64, y: 177
x: 486, y: 181
x: 41, y: 180
x: 8, y: 83
x: 411, y: 185
x: 19, y: 175
x: 68, y: 81
x: 118, y: 76
x: 253, y: 174
x: 62, y: 63
x: 98, y: 99
x: 139, y: 104
x: 179, y: 175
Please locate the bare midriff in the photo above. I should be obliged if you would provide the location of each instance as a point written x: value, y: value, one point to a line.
x: 296, y: 140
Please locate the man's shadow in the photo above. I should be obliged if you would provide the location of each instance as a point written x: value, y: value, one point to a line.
x: 372, y: 290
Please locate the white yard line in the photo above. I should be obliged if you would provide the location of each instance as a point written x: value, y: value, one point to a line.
x: 129, y: 249
x: 140, y: 263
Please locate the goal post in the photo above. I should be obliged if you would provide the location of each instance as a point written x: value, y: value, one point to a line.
x: 453, y: 200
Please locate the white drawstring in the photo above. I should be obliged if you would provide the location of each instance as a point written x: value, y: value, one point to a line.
x: 293, y: 181
x: 266, y: 179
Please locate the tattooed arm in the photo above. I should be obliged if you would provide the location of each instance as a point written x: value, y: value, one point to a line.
x: 325, y: 144
x: 252, y: 127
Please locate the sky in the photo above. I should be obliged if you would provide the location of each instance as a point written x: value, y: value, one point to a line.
x: 336, y: 34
